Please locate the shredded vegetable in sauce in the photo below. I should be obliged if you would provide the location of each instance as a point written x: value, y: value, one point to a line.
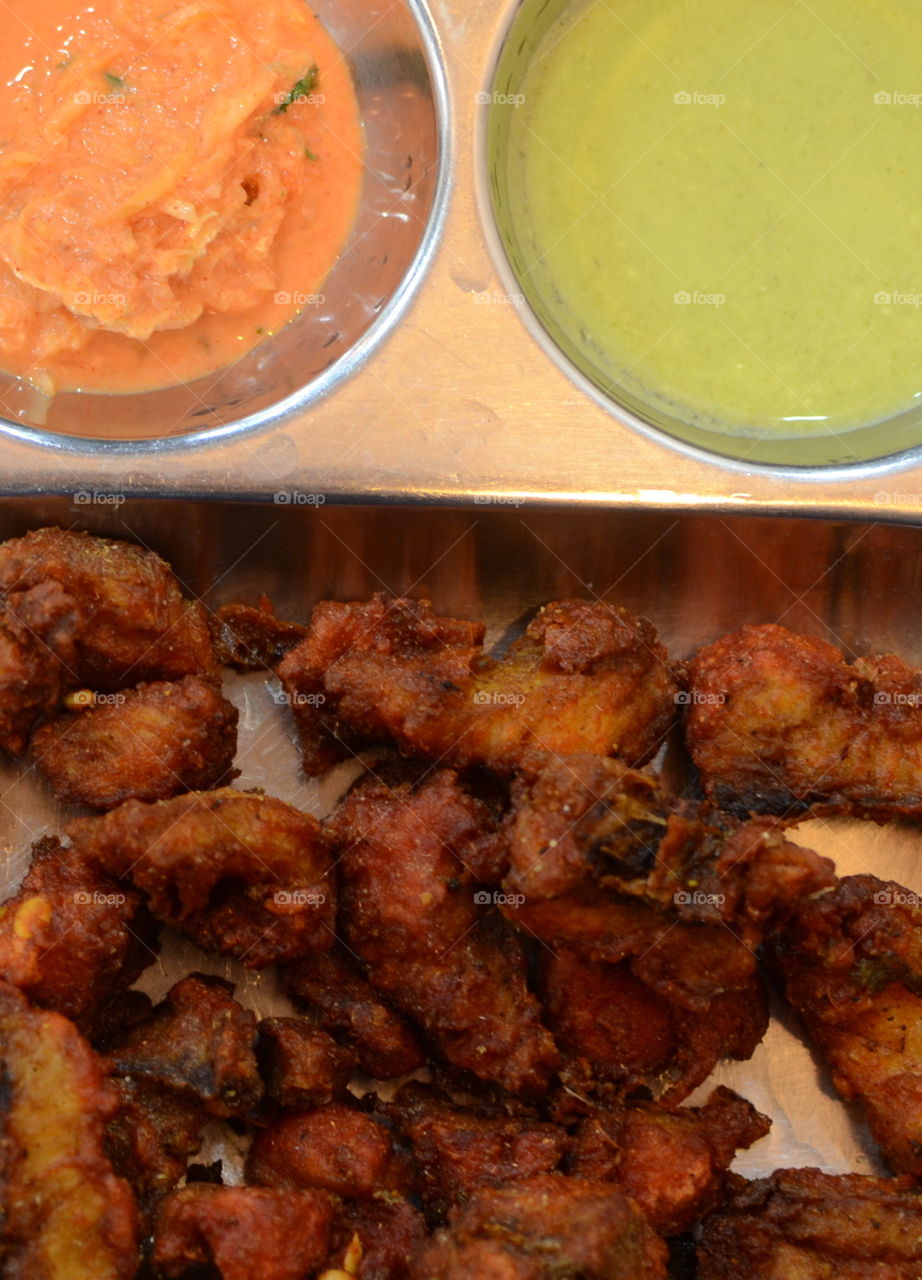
x: 176, y: 181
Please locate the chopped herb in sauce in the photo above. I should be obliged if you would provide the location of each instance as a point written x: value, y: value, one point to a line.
x: 302, y: 89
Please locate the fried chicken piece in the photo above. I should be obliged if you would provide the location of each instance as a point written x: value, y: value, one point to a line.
x: 151, y: 1138
x: 778, y: 722
x: 811, y: 1225
x: 334, y: 1148
x: 458, y: 1149
x: 543, y: 1228
x: 583, y: 677
x: 619, y: 1031
x: 673, y: 1164
x: 133, y: 623
x: 409, y: 911
x: 147, y: 744
x: 198, y: 1041
x: 64, y: 1215
x: 583, y: 820
x: 246, y: 1233
x: 252, y: 639
x: 852, y: 966
x: 376, y: 1237
x: 72, y: 937
x: 238, y: 872
x: 301, y: 1065
x: 346, y: 1005
x: 37, y: 658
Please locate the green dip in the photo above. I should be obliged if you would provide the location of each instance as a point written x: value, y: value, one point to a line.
x: 721, y: 202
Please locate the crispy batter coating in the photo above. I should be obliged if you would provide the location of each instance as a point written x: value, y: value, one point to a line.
x: 198, y: 1041
x: 583, y: 677
x: 811, y: 1225
x: 238, y: 872
x: 72, y: 937
x: 64, y: 1215
x: 544, y: 1228
x: 150, y: 743
x: 673, y: 1164
x: 346, y: 1005
x: 252, y: 639
x: 335, y: 1148
x: 458, y: 1149
x: 409, y: 911
x: 852, y: 966
x: 617, y: 1030
x: 778, y: 722
x: 582, y: 820
x: 383, y: 1233
x: 37, y: 658
x: 133, y: 621
x: 247, y: 1233
x: 151, y: 1138
x: 301, y: 1065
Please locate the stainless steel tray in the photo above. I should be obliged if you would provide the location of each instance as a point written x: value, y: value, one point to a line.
x: 696, y: 576
x: 459, y: 401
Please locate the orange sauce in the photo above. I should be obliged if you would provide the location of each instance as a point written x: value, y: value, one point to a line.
x: 177, y: 178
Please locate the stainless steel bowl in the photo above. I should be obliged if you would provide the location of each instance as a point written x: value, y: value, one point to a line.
x: 396, y: 63
x: 568, y: 343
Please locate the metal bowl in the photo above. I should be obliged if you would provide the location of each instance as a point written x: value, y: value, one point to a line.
x: 396, y: 63
x: 566, y: 341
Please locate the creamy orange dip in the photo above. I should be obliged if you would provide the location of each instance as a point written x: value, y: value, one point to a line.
x: 176, y: 180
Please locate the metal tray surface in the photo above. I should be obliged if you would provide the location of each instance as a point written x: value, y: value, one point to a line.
x: 460, y: 400
x: 695, y: 576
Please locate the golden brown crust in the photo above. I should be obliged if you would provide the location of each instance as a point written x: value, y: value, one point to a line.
x: 252, y: 639
x: 149, y: 743
x: 65, y: 1215
x: 301, y: 1065
x: 238, y: 872
x: 778, y: 722
x: 37, y: 658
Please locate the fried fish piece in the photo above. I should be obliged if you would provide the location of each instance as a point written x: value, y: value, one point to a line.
x: 410, y: 912
x: 336, y: 1148
x: 245, y: 1233
x: 673, y: 1164
x: 584, y: 677
x: 64, y: 1215
x: 72, y: 937
x: 38, y: 659
x: 852, y: 966
x: 778, y: 722
x: 342, y: 1000
x: 252, y: 638
x: 133, y: 622
x: 238, y: 872
x: 811, y: 1225
x: 198, y: 1041
x: 543, y: 1228
x: 301, y: 1065
x: 149, y: 743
